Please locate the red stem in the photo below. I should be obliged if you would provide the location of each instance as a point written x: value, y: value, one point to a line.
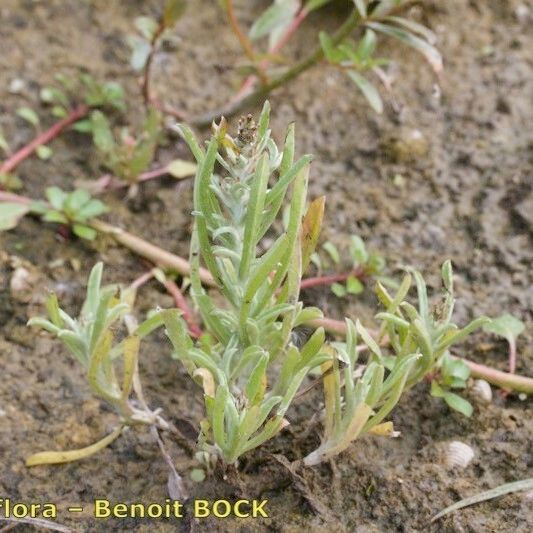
x: 294, y: 25
x: 318, y: 281
x: 44, y: 138
x: 141, y: 280
x: 145, y: 90
x: 109, y: 183
x: 14, y: 198
x: 182, y: 304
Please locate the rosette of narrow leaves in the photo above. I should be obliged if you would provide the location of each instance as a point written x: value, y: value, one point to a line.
x: 90, y: 339
x: 249, y: 369
x: 357, y: 400
x: 74, y: 209
x: 431, y: 332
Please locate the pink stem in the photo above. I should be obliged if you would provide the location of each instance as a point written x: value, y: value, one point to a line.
x: 141, y: 280
x: 182, y: 304
x: 318, y: 281
x: 151, y: 174
x: 45, y: 137
x: 108, y: 182
x: 14, y: 198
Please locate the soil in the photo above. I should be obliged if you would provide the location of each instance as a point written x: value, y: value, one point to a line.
x: 443, y: 173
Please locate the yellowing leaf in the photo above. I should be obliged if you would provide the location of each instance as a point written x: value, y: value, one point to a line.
x: 311, y: 226
x: 181, y: 169
x: 386, y: 429
x: 131, y: 353
x: 208, y: 382
x: 52, y: 458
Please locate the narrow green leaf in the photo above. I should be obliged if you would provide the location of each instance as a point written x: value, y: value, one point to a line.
x: 312, y: 5
x: 332, y: 251
x: 368, y: 340
x: 414, y: 27
x: 102, y: 135
x: 361, y: 7
x: 431, y: 54
x: 256, y: 379
x: 253, y: 215
x: 368, y: 89
x: 502, y: 490
x: 52, y: 307
x: 221, y: 398
x: 279, y: 14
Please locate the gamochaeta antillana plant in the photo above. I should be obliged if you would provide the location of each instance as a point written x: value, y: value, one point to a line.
x: 358, y: 400
x: 419, y: 342
x: 431, y: 332
x: 90, y: 339
x: 247, y: 364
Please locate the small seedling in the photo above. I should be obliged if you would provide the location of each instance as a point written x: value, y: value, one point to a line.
x: 73, y: 209
x: 94, y: 95
x: 508, y: 327
x: 358, y: 264
x: 126, y: 157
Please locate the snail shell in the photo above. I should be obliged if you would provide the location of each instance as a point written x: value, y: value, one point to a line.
x: 458, y: 455
x: 481, y: 390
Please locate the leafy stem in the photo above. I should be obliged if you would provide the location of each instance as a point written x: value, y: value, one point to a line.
x: 352, y: 21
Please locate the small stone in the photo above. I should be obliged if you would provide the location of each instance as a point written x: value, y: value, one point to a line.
x: 407, y: 146
x: 21, y: 285
x: 16, y: 86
